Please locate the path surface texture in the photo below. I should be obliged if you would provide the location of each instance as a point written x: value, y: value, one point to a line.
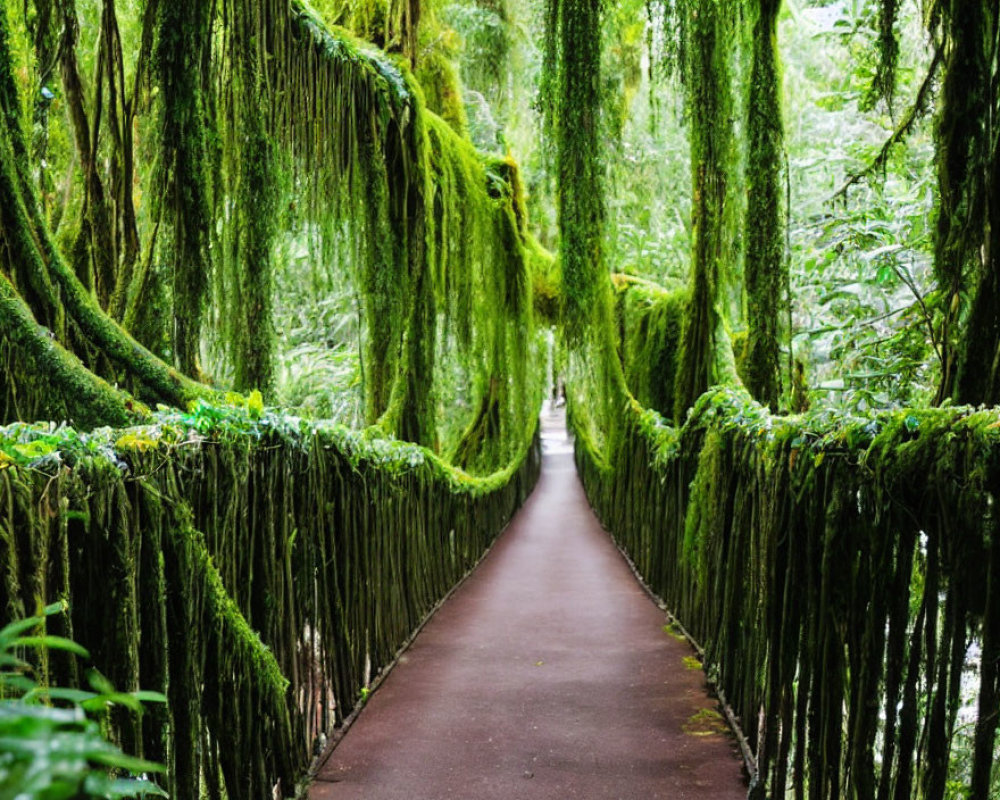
x: 547, y: 674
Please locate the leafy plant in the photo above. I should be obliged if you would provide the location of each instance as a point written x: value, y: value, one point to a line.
x: 51, y: 747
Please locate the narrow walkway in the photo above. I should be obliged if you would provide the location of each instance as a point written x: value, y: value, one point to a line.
x: 546, y: 675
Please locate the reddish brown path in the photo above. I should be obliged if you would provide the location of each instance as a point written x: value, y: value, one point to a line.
x: 546, y: 675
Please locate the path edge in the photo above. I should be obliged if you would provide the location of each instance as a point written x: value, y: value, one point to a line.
x: 337, y: 735
x: 749, y: 761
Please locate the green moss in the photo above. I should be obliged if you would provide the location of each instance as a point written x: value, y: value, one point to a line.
x: 706, y: 722
x: 705, y: 519
x: 708, y: 36
x: 546, y: 282
x: 650, y: 320
x: 439, y: 80
x: 61, y: 386
x: 255, y: 181
x: 439, y: 243
x: 765, y: 265
x: 575, y: 32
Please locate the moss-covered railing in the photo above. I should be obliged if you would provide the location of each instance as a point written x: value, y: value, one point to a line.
x: 258, y: 569
x: 842, y: 576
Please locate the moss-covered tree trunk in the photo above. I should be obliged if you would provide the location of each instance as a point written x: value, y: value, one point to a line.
x: 967, y: 247
x: 256, y: 193
x: 46, y: 302
x: 706, y: 75
x: 765, y: 267
x: 588, y: 304
x: 580, y: 167
x: 183, y: 43
x: 382, y: 280
x: 94, y: 252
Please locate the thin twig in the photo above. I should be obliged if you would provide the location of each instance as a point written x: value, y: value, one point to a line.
x: 915, y: 112
x: 905, y: 277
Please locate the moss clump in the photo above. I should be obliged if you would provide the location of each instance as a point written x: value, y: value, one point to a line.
x: 650, y: 321
x: 546, y: 282
x: 706, y: 722
x: 52, y: 383
x: 439, y: 79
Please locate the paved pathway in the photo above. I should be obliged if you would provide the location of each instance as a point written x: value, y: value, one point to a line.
x: 546, y: 675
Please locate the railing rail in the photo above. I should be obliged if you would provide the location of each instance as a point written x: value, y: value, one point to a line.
x: 843, y: 577
x: 260, y: 573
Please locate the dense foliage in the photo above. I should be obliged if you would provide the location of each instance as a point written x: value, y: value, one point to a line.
x: 347, y: 209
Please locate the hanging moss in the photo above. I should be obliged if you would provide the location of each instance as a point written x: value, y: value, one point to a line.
x: 883, y: 86
x: 708, y: 36
x: 298, y: 132
x: 572, y: 106
x: 966, y: 253
x: 436, y: 238
x: 439, y: 79
x: 546, y: 282
x: 650, y: 321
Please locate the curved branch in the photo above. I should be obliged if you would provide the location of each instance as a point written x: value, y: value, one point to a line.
x: 915, y: 112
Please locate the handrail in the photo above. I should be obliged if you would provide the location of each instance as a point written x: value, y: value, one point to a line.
x: 259, y: 569
x: 842, y: 573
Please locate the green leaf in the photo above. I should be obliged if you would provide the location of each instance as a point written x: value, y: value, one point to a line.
x: 10, y: 632
x: 112, y: 788
x: 19, y: 683
x: 52, y: 643
x: 255, y: 405
x: 77, y: 696
x: 118, y: 760
x: 59, y: 607
x: 145, y: 696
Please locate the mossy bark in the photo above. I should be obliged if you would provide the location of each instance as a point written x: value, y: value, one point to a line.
x: 967, y: 236
x: 580, y: 169
x: 63, y: 383
x: 183, y: 42
x: 95, y: 248
x: 256, y: 188
x: 765, y: 267
x: 706, y: 76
